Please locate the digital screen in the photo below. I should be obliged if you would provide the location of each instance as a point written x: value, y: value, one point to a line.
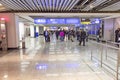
x: 85, y: 20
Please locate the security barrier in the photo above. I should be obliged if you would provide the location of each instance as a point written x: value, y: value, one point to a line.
x: 108, y: 56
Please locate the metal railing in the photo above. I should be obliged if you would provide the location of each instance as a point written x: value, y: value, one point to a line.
x: 103, y: 52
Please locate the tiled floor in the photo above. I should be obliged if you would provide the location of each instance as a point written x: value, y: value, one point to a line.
x: 52, y: 61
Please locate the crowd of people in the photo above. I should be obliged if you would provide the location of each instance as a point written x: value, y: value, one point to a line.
x: 70, y: 34
x: 81, y: 35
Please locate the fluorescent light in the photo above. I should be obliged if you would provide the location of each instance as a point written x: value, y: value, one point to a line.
x: 0, y: 4
x: 5, y: 76
x: 91, y: 6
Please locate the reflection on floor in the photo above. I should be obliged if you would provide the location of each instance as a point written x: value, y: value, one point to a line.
x: 51, y: 61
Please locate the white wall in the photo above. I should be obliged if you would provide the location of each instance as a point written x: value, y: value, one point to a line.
x: 37, y: 29
x: 109, y: 29
x: 21, y: 30
x: 17, y: 30
x: 41, y: 29
x: 31, y: 31
x: 12, y: 27
x: 27, y: 29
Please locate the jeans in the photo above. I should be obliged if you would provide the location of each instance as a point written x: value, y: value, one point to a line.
x: 62, y: 38
x: 82, y: 40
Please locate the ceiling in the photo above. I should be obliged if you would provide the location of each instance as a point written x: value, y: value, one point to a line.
x: 29, y: 17
x: 61, y: 5
x: 30, y: 9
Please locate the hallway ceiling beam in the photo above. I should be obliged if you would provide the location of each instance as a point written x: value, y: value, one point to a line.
x: 105, y: 4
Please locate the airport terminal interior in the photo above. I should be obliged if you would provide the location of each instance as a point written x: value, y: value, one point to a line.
x: 59, y: 39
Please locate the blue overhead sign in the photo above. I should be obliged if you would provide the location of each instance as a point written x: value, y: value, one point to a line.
x: 57, y: 21
x: 95, y: 21
x: 40, y: 21
x: 73, y: 21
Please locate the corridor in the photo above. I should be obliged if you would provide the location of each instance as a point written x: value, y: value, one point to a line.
x: 51, y: 61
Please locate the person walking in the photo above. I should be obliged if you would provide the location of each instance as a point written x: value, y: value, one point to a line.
x: 78, y: 32
x: 57, y: 34
x: 99, y: 34
x: 46, y: 35
x: 82, y: 37
x: 72, y: 34
x: 116, y: 34
x: 68, y: 33
x: 118, y: 38
x: 62, y: 34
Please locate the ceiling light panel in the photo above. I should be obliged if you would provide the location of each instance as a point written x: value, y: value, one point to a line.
x: 60, y: 6
x: 43, y: 4
x: 30, y: 2
x: 8, y: 5
x: 40, y: 4
x: 19, y: 5
x: 14, y: 5
x: 36, y: 5
x: 75, y: 2
x: 0, y: 4
x: 95, y: 3
x: 113, y: 7
x: 71, y: 4
x: 27, y: 4
x: 22, y: 4
x: 50, y: 4
x: 57, y: 4
x: 53, y: 7
x: 68, y: 3
x: 47, y: 4
x: 64, y: 4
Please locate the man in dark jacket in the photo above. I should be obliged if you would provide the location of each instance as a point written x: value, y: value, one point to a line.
x: 83, y: 36
x: 78, y: 34
x: 116, y: 34
x: 46, y: 35
x: 57, y: 34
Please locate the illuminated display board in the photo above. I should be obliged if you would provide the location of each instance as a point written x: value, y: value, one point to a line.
x: 40, y: 21
x: 73, y: 21
x: 85, y: 21
x: 95, y: 21
x: 57, y: 21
